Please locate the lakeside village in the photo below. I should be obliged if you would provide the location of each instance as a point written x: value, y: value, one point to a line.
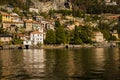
x: 58, y: 28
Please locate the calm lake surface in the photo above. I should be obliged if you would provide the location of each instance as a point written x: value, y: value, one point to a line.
x: 60, y: 64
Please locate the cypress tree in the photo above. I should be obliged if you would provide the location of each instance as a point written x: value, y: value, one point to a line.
x: 50, y: 37
x: 60, y: 35
x: 77, y: 39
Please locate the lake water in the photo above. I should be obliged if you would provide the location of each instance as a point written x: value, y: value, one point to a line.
x: 60, y: 64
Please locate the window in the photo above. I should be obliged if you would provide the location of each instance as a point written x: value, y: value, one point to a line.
x: 40, y: 38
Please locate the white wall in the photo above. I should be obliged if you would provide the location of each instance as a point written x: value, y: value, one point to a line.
x: 27, y: 43
x: 36, y: 38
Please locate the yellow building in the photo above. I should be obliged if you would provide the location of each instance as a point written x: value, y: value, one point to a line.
x: 114, y: 33
x: 10, y: 17
x: 6, y: 17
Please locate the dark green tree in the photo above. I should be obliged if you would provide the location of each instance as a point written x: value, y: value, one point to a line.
x: 57, y: 23
x: 60, y: 35
x: 85, y: 34
x: 0, y: 18
x: 106, y: 35
x: 113, y: 38
x: 17, y: 41
x: 77, y: 39
x: 50, y: 37
x: 2, y: 31
x: 118, y: 27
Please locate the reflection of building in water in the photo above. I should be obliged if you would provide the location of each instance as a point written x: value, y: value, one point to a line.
x: 0, y: 65
x: 116, y: 58
x: 34, y: 61
x: 71, y: 64
x: 99, y: 58
x: 114, y: 63
x: 6, y: 60
x: 50, y: 62
x: 74, y: 64
x: 11, y: 63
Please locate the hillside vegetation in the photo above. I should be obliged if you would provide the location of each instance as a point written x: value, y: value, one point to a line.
x: 22, y: 4
x: 86, y: 6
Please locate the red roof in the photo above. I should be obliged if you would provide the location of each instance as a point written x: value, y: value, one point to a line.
x: 21, y: 35
x: 36, y: 32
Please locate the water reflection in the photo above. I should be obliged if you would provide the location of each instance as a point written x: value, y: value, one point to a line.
x: 60, y: 64
x: 34, y: 61
x: 99, y: 59
x: 8, y: 59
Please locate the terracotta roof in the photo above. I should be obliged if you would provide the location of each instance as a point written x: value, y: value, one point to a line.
x: 29, y: 21
x: 6, y: 14
x: 35, y: 32
x: 21, y: 35
x: 13, y: 22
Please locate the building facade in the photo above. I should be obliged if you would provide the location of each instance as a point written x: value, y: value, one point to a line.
x: 98, y: 37
x: 36, y: 37
x: 5, y: 38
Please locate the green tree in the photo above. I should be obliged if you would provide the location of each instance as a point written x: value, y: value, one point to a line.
x: 2, y: 31
x: 85, y: 34
x: 57, y: 23
x: 113, y: 38
x: 118, y: 27
x: 106, y: 35
x: 60, y: 35
x: 17, y: 41
x: 16, y: 10
x: 2, y: 2
x: 0, y: 18
x: 77, y: 39
x: 50, y: 37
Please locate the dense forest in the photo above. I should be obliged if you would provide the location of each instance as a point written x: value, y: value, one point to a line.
x: 22, y: 4
x: 95, y: 6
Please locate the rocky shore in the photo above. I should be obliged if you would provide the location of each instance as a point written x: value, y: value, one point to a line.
x: 54, y: 46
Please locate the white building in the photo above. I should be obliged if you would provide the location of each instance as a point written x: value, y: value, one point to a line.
x: 27, y: 42
x: 48, y: 25
x: 107, y: 1
x: 110, y: 2
x: 34, y: 10
x: 98, y: 37
x: 36, y: 37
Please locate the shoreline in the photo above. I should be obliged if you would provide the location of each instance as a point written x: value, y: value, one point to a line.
x: 9, y: 47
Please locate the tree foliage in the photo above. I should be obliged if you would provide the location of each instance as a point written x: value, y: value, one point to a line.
x: 17, y: 3
x: 50, y: 37
x: 95, y: 6
x: 77, y: 39
x: 57, y: 23
x: 60, y: 35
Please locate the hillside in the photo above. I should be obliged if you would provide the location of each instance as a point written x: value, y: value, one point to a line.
x: 87, y: 6
x: 46, y: 5
x: 22, y: 3
x: 42, y: 5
